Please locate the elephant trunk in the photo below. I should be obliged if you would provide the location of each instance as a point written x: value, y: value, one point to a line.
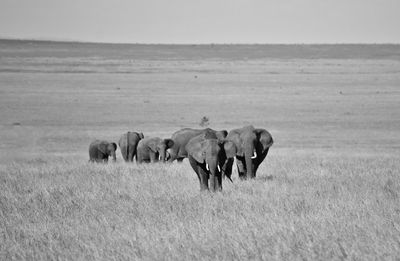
x: 249, y: 154
x: 114, y: 157
x: 214, y: 173
x: 162, y: 155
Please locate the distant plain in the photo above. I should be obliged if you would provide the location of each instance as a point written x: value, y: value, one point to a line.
x: 329, y: 189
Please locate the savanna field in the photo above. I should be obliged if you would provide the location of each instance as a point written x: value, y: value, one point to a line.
x: 329, y: 188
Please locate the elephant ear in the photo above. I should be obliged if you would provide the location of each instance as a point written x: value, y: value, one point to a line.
x: 265, y: 138
x: 141, y: 136
x: 152, y: 144
x: 197, y: 150
x: 169, y: 143
x: 114, y: 145
x: 230, y: 149
x: 221, y: 135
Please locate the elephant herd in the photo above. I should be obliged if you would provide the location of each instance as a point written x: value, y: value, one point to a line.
x: 210, y: 153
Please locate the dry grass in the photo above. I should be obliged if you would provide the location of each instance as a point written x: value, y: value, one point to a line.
x: 328, y: 190
x: 297, y: 208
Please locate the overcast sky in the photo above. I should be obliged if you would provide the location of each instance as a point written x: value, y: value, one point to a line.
x: 203, y: 21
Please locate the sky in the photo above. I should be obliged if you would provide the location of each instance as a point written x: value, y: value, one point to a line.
x: 203, y: 21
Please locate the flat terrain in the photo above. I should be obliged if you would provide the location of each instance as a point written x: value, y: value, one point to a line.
x: 329, y: 189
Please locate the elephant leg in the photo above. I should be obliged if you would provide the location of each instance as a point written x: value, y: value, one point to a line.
x: 218, y: 180
x: 153, y: 157
x: 180, y: 160
x: 202, y: 175
x: 204, y: 178
x: 227, y: 168
x: 138, y: 160
x: 130, y: 154
x: 259, y: 160
x: 195, y: 167
x: 241, y: 167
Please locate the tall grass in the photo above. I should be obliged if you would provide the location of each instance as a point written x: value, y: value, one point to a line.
x: 297, y: 208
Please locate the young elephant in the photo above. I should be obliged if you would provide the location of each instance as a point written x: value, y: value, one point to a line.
x: 128, y: 144
x: 153, y: 149
x: 208, y: 159
x: 100, y: 150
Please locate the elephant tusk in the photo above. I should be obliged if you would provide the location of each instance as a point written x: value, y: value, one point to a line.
x: 254, y: 155
x: 207, y: 167
x: 219, y: 169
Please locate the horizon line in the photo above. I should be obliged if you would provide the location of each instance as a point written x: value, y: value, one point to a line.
x: 2, y: 38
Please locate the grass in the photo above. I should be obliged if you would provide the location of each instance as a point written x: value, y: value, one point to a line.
x: 328, y: 190
x: 297, y: 208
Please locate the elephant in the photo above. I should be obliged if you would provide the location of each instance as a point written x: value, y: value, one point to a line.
x: 208, y: 158
x: 100, y: 150
x: 128, y: 144
x: 181, y: 138
x: 153, y: 149
x: 252, y: 147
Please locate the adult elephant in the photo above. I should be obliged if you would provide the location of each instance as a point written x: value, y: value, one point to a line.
x: 100, y: 150
x: 181, y: 138
x: 128, y: 144
x: 153, y: 149
x: 252, y: 147
x: 207, y: 156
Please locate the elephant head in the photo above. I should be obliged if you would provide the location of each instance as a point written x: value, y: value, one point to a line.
x: 108, y: 149
x: 252, y: 147
x: 207, y: 157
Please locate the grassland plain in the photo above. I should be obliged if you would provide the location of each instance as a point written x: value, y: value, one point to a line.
x: 328, y: 190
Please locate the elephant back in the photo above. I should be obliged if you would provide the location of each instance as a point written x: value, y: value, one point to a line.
x: 181, y: 138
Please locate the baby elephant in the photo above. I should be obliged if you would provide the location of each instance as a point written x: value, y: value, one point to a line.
x: 100, y: 150
x: 153, y: 149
